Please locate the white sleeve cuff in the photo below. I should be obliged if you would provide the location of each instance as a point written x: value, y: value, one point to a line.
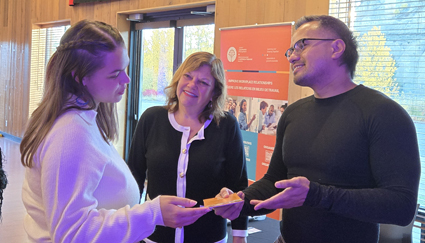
x: 156, y: 210
x: 240, y: 233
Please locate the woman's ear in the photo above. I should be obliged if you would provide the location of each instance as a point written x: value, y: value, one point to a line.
x: 338, y: 47
x: 77, y: 79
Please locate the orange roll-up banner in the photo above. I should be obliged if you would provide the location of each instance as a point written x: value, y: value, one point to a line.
x: 257, y: 74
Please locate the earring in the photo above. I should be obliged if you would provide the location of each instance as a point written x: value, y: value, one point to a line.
x: 210, y: 104
x: 80, y: 102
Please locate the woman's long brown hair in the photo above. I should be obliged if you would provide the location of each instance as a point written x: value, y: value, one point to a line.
x: 79, y: 55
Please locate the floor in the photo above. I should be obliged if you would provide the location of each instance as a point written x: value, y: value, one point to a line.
x: 13, y: 211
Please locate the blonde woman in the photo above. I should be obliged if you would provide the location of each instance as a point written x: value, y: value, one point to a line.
x: 191, y: 148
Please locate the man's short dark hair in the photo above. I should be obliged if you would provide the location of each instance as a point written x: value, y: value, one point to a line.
x: 350, y: 56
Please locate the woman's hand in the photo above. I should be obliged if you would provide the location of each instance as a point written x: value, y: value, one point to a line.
x: 177, y: 211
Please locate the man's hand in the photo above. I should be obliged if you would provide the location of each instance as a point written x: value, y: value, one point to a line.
x: 175, y: 214
x: 230, y: 211
x: 293, y: 196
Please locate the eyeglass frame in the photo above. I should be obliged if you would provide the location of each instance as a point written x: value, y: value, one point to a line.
x: 293, y: 49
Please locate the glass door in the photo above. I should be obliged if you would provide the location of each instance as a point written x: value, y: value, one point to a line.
x: 198, y: 38
x: 157, y: 66
x: 158, y: 58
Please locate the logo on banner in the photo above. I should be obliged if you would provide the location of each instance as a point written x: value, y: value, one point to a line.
x: 231, y: 54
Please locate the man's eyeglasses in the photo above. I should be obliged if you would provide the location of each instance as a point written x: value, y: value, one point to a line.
x: 299, y: 46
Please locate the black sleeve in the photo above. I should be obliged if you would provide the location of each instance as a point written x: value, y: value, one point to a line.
x: 264, y: 188
x: 136, y: 159
x: 236, y: 174
x: 395, y: 165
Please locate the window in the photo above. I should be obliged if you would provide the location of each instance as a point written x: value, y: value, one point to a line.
x: 391, y: 41
x: 157, y: 66
x: 43, y: 44
x: 198, y: 38
x: 157, y: 60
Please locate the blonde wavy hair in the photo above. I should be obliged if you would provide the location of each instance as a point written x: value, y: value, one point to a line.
x: 194, y: 62
x: 79, y: 55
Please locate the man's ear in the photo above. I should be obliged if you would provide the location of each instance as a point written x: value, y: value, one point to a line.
x: 338, y: 47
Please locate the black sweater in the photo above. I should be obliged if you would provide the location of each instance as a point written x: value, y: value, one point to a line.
x: 359, y: 150
x: 214, y: 162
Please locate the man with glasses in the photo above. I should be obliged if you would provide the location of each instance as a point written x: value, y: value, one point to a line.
x: 345, y: 159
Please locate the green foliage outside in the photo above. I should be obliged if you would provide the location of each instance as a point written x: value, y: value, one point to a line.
x: 157, y: 69
x: 376, y: 67
x: 158, y: 54
x: 198, y: 38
